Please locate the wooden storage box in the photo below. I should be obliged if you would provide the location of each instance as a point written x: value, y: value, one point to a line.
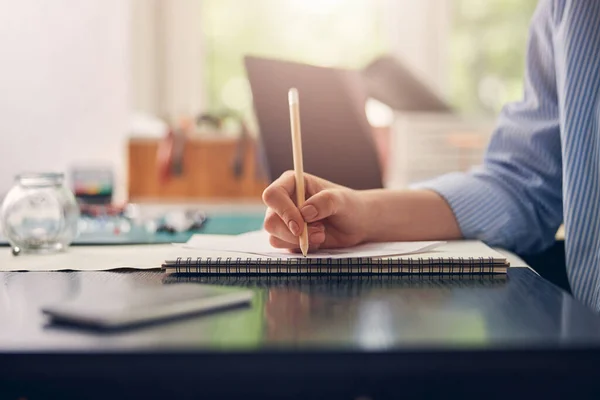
x: 207, y: 172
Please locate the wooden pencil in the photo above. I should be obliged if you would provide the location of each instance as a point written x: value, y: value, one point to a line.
x: 294, y: 102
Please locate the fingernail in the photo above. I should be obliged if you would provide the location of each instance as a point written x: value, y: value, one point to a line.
x: 317, y: 237
x: 294, y: 227
x: 309, y: 213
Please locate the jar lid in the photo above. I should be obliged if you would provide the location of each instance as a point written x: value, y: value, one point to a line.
x: 34, y: 179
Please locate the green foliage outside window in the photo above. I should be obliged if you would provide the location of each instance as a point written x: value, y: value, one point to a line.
x: 344, y: 33
x: 486, y: 50
x: 487, y: 53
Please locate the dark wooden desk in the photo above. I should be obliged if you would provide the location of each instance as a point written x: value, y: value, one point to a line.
x: 337, y: 338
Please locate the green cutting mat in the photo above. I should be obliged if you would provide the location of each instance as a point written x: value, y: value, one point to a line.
x: 223, y: 224
x: 232, y: 224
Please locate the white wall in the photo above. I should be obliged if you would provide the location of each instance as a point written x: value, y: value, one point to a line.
x: 167, y: 57
x: 419, y: 32
x: 64, y: 85
x: 146, y: 57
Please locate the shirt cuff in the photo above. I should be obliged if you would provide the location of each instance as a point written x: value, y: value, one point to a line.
x: 478, y: 206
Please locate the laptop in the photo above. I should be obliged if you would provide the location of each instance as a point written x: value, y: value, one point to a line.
x: 337, y: 140
x: 392, y: 83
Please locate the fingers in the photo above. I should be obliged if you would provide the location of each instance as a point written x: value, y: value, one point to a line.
x: 282, y: 238
x: 278, y: 197
x: 280, y: 244
x: 276, y: 227
x: 316, y: 237
x: 322, y: 205
x: 286, y: 181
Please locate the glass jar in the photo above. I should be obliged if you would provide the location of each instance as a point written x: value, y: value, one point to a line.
x: 39, y: 214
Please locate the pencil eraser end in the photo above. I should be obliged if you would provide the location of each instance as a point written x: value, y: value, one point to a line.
x: 293, y: 96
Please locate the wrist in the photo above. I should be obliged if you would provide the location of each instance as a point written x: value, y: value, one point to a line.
x: 396, y: 215
x: 372, y: 215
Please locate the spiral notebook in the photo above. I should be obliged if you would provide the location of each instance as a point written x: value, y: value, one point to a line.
x: 462, y: 257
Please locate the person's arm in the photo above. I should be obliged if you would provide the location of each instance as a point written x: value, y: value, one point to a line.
x: 397, y: 215
x: 514, y: 200
x: 341, y: 217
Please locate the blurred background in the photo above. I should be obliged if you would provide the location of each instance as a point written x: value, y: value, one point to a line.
x: 135, y: 93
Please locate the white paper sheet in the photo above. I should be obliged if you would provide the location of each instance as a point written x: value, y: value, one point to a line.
x: 91, y: 258
x: 258, y: 243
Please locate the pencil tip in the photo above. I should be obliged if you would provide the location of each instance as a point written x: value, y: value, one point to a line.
x: 304, y: 251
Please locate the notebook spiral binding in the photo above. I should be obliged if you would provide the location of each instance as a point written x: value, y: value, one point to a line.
x: 329, y: 266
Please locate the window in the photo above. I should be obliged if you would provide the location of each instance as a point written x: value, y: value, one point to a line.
x: 480, y: 45
x: 487, y: 53
x: 343, y: 33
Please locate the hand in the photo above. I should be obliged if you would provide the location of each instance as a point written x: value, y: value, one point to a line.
x: 336, y: 216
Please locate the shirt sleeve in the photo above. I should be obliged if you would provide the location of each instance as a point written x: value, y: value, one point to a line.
x: 514, y: 199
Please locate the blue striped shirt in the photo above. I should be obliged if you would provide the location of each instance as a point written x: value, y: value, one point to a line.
x: 542, y: 166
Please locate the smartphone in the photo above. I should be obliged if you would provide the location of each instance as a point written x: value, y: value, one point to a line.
x: 138, y: 306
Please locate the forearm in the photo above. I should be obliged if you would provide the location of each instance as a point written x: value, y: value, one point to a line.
x: 407, y: 215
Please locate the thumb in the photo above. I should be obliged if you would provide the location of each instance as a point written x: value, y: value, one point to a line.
x: 322, y: 205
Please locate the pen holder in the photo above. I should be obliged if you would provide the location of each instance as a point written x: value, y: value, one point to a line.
x: 39, y: 214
